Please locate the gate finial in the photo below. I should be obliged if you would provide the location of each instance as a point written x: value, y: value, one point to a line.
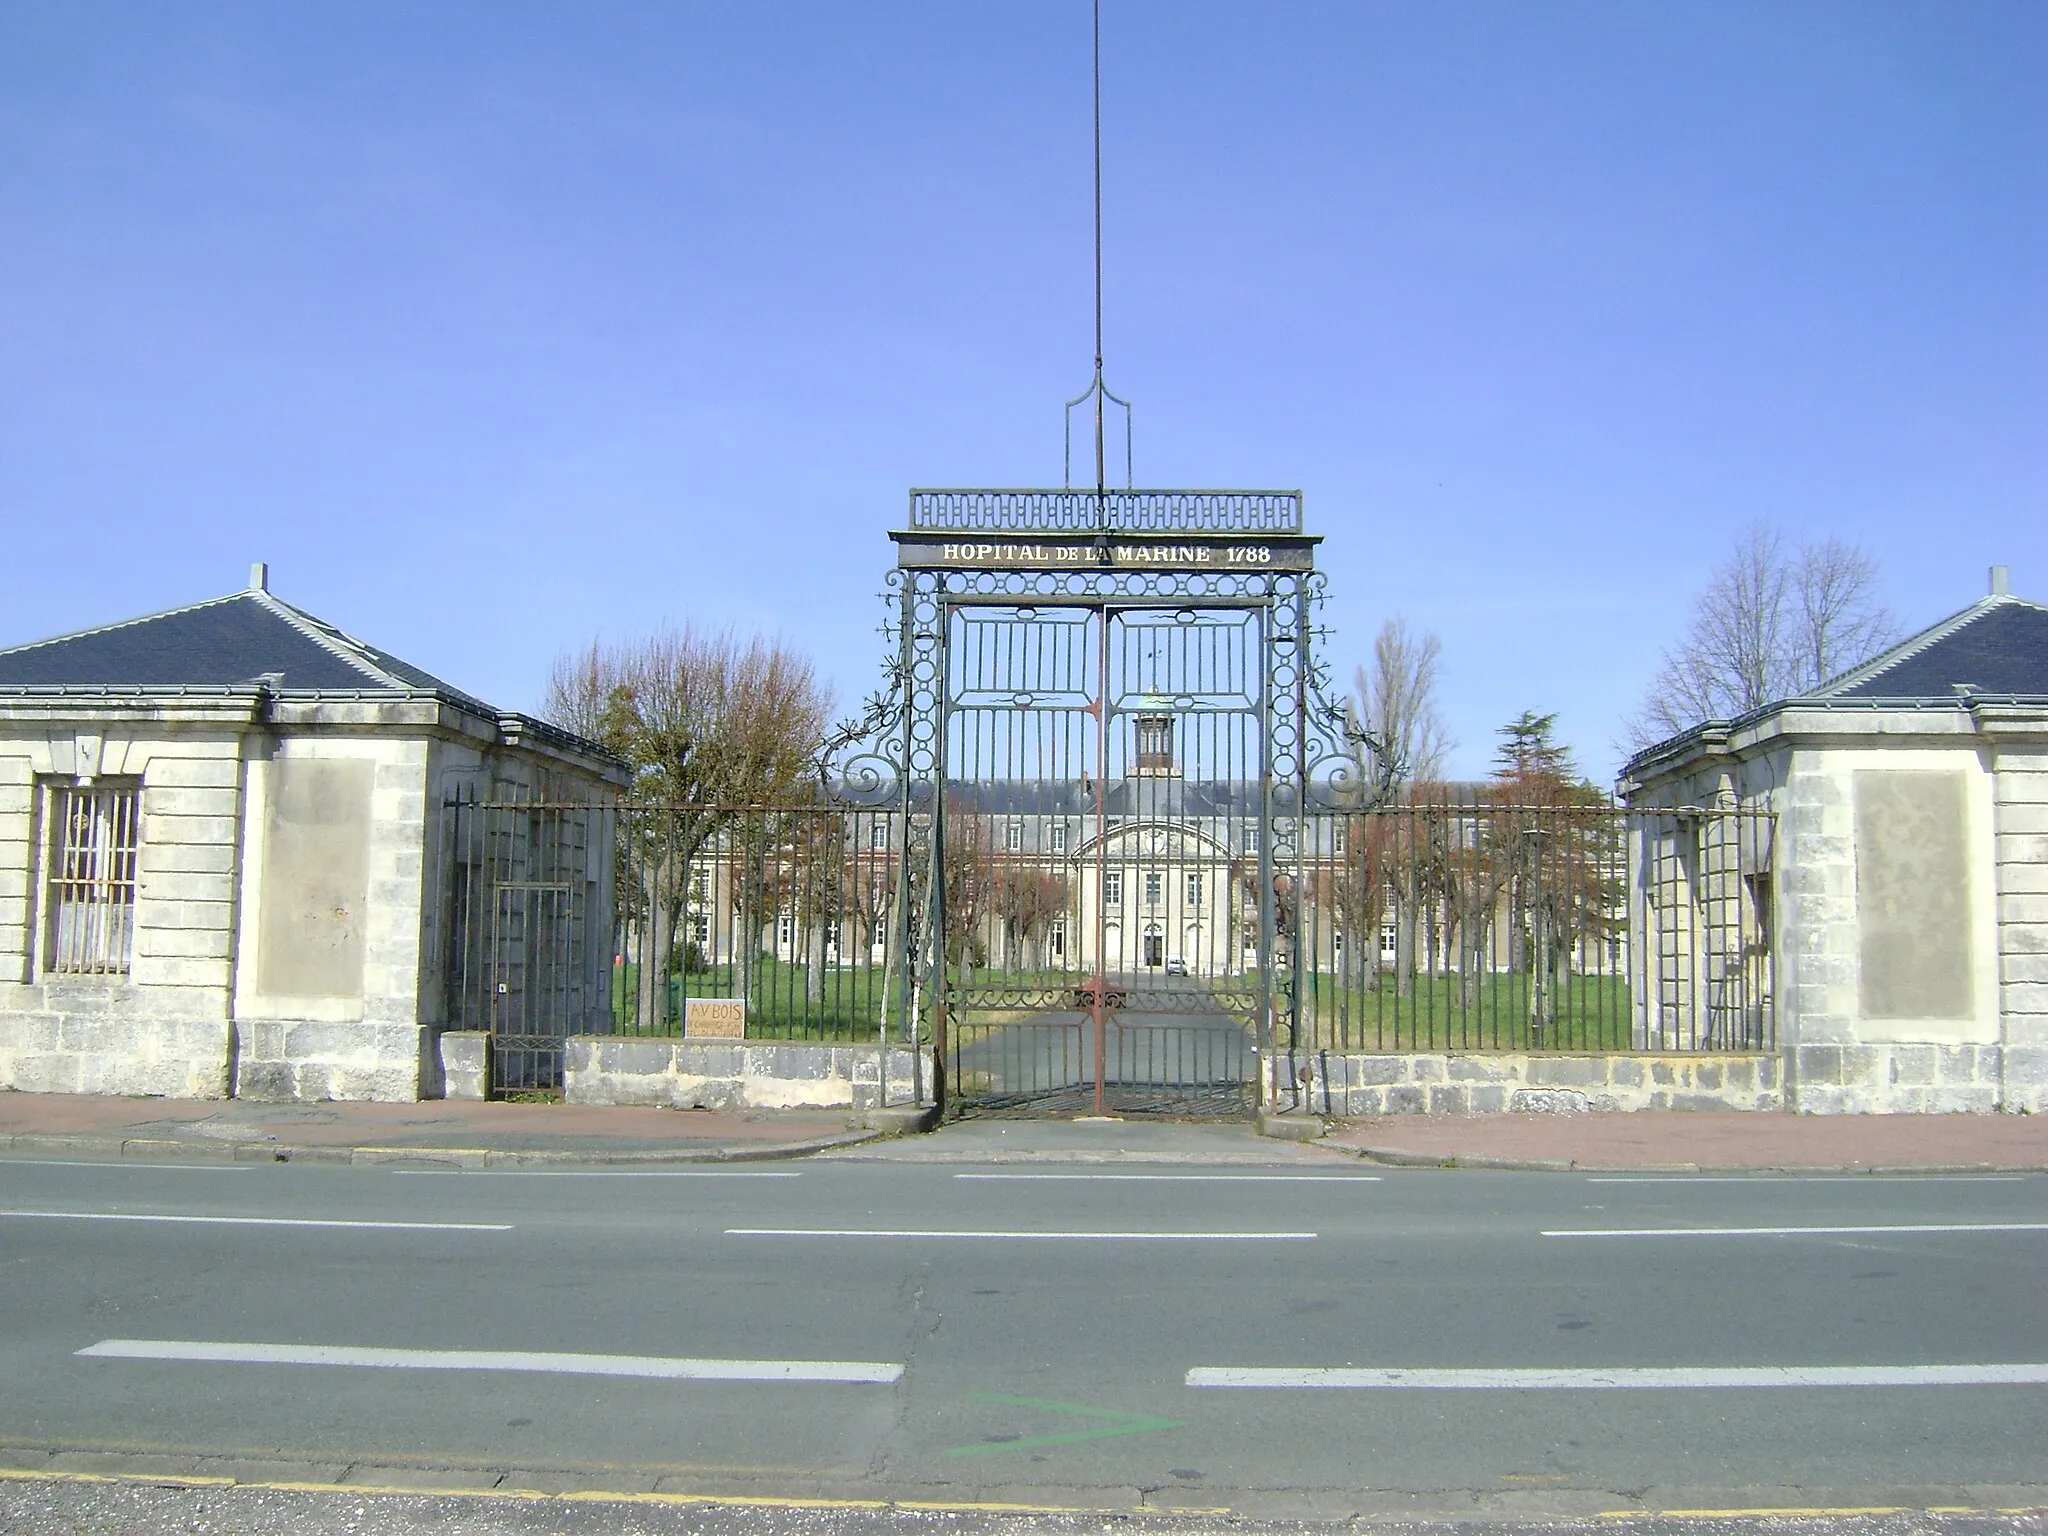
x: 1097, y: 391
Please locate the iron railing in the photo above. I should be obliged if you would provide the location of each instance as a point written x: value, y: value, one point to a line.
x: 1485, y: 925
x: 607, y: 919
x: 1473, y: 925
x: 1082, y: 511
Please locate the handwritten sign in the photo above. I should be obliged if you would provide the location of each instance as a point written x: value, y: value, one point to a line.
x: 715, y: 1018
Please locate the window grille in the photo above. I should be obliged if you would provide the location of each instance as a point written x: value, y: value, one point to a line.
x: 1194, y: 888
x: 1058, y: 843
x: 1013, y: 837
x: 95, y: 833
x: 878, y: 835
x: 1152, y: 887
x: 1112, y: 887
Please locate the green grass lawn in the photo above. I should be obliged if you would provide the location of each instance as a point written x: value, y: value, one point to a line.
x: 848, y: 1005
x: 1491, y: 1013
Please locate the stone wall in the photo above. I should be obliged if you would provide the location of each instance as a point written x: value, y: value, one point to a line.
x: 1454, y: 1085
x: 733, y: 1074
x: 164, y: 1027
x: 328, y: 985
x: 2022, y: 832
x: 84, y: 1036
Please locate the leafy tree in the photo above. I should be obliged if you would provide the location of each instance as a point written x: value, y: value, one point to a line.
x: 1549, y: 853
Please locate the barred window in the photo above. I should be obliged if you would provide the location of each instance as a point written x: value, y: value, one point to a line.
x: 95, y: 833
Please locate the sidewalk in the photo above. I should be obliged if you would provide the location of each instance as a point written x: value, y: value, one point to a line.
x: 1703, y: 1141
x: 470, y: 1134
x: 462, y: 1133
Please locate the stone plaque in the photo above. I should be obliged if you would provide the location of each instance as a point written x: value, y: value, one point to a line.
x: 1913, y: 895
x: 715, y: 1018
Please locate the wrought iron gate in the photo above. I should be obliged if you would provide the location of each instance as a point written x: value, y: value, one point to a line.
x: 519, y: 886
x: 1112, y: 730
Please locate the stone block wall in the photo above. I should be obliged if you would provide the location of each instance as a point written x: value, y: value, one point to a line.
x: 1896, y: 1079
x: 1426, y: 1084
x: 279, y: 1060
x: 2022, y: 854
x: 164, y: 1027
x: 677, y: 1073
x: 334, y: 1030
x: 82, y: 1036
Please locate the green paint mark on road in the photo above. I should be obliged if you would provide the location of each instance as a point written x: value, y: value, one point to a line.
x: 1118, y: 1422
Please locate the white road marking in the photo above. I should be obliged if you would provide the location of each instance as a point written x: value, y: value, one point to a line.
x: 267, y: 1221
x: 1065, y: 1237
x: 1811, y: 1178
x: 589, y: 1173
x: 1860, y: 1231
x: 1184, y: 1178
x: 1622, y: 1378
x: 654, y: 1366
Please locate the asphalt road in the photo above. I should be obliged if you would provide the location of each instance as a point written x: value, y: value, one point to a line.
x: 1049, y: 1336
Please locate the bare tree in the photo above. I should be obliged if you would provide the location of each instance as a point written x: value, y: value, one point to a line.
x: 709, y: 723
x: 1771, y: 622
x: 1396, y: 701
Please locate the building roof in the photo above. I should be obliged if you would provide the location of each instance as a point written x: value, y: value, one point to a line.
x: 249, y: 639
x: 1993, y: 652
x: 1997, y: 647
x: 245, y: 639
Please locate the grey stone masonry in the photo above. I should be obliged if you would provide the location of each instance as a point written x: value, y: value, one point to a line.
x: 2022, y: 821
x: 1455, y: 1085
x: 1896, y: 1079
x: 92, y: 1036
x: 465, y: 1064
x: 734, y: 1074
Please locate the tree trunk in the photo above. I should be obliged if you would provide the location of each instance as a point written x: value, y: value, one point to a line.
x: 814, y: 963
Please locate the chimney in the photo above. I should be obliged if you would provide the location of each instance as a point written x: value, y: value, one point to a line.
x: 259, y: 577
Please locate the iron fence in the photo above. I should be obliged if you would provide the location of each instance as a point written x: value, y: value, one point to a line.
x: 1486, y: 925
x: 1474, y: 925
x: 613, y: 919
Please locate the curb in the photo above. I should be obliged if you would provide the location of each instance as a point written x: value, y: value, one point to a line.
x: 1393, y: 1158
x: 368, y: 1156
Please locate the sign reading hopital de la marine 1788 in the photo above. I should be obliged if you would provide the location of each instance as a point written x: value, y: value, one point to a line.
x: 1073, y: 551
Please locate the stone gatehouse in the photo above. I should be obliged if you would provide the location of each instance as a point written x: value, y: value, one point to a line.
x: 218, y: 871
x: 1905, y: 887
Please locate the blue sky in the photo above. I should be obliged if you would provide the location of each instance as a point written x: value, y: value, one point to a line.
x: 497, y: 326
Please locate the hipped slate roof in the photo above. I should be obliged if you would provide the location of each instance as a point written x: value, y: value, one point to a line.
x: 246, y: 640
x: 1997, y: 647
x: 1994, y: 651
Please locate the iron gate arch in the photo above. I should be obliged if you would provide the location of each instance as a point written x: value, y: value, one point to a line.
x: 1109, y: 736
